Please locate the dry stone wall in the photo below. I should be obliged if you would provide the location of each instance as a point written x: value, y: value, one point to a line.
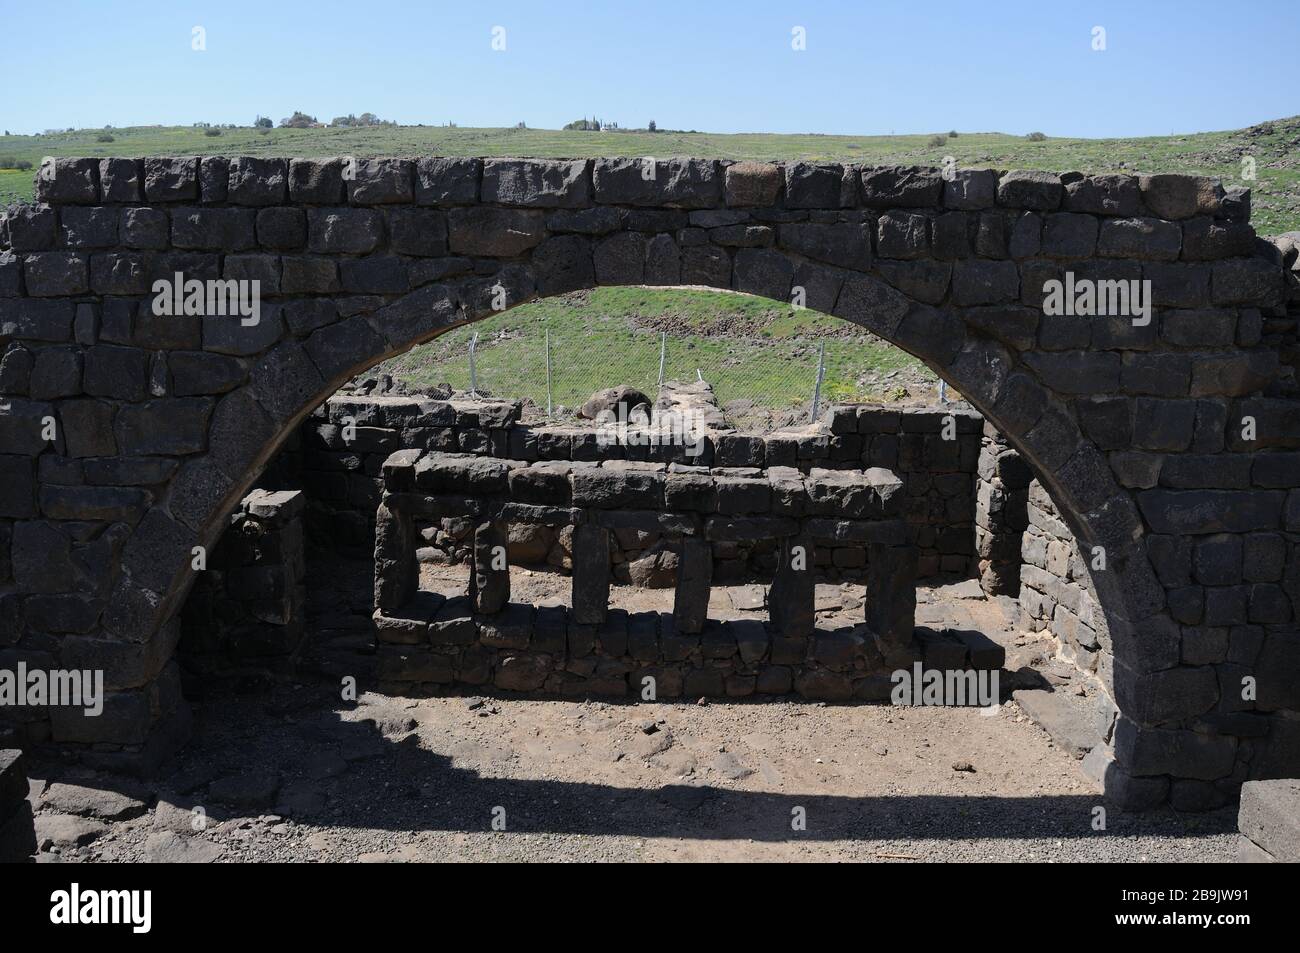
x: 127, y: 438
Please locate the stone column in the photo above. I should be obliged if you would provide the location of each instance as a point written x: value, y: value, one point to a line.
x: 17, y: 831
x: 397, y: 575
x: 694, y: 577
x: 791, y: 600
x: 1001, y: 514
x: 590, y: 574
x: 489, y: 586
x: 891, y: 592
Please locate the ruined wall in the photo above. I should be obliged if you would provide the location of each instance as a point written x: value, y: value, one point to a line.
x: 338, y: 452
x: 246, y: 613
x: 1155, y: 439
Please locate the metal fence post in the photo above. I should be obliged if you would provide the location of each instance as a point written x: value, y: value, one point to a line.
x: 473, y: 374
x: 817, y: 388
x: 548, y: 372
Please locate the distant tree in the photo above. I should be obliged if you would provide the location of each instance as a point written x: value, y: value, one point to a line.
x: 104, y: 137
x: 1036, y: 137
x: 299, y: 120
x: 262, y: 122
x: 938, y: 141
x: 952, y: 133
x: 652, y: 125
x: 212, y: 131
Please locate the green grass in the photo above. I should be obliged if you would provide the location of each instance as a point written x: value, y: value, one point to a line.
x: 748, y: 348
x: 1276, y: 152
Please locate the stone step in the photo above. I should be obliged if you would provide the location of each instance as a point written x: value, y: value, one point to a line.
x: 1076, y: 723
x: 1269, y: 820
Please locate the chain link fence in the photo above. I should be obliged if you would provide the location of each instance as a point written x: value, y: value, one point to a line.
x: 760, y: 384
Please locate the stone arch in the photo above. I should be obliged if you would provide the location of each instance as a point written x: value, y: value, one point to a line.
x: 950, y: 270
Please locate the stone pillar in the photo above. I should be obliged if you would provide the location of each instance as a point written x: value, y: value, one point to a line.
x: 694, y: 577
x: 17, y: 831
x: 490, y: 581
x: 397, y: 574
x: 891, y: 592
x: 590, y: 574
x: 1001, y: 514
x: 791, y: 600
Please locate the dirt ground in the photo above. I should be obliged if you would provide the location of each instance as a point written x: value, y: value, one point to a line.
x: 295, y: 773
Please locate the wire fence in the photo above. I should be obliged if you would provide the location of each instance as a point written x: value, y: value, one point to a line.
x: 758, y: 383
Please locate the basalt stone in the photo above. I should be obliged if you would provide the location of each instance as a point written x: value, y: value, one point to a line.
x: 808, y: 185
x: 1102, y: 195
x: 441, y: 181
x: 971, y: 189
x: 620, y: 259
x: 144, y: 228
x: 903, y: 187
x: 214, y: 229
x: 763, y: 272
x: 171, y: 179
x: 56, y: 273
x: 282, y: 229
x: 750, y: 184
x: 494, y: 232
x: 1178, y: 285
x: 1037, y: 191
x: 56, y: 373
x: 678, y: 183
x: 537, y: 183
x: 844, y: 245
x: 194, y: 373
x: 31, y: 227
x: 1205, y: 239
x: 255, y: 181
x: 121, y: 180
x: 1240, y: 281
x: 348, y: 231
x: 374, y: 274
x: 1069, y: 235
x: 17, y: 499
x: 316, y: 181
x: 587, y: 221
x: 308, y: 275
x: 902, y: 235
x: 68, y: 182
x: 164, y: 426
x: 88, y: 428
x: 564, y: 263
x: 118, y: 274
x: 1180, y: 196
x: 1148, y: 238
x: 89, y: 226
x: 214, y: 179
x: 116, y: 372
x: 339, y: 347
x: 984, y: 282
x: 952, y: 236
x: 421, y: 232
x: 381, y: 182
x: 707, y: 266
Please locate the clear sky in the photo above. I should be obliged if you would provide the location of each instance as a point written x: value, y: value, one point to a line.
x: 869, y: 67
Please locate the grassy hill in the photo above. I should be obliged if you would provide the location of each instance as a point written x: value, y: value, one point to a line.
x: 1275, y: 147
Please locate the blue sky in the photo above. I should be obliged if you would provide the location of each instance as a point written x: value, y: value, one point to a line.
x: 870, y: 67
